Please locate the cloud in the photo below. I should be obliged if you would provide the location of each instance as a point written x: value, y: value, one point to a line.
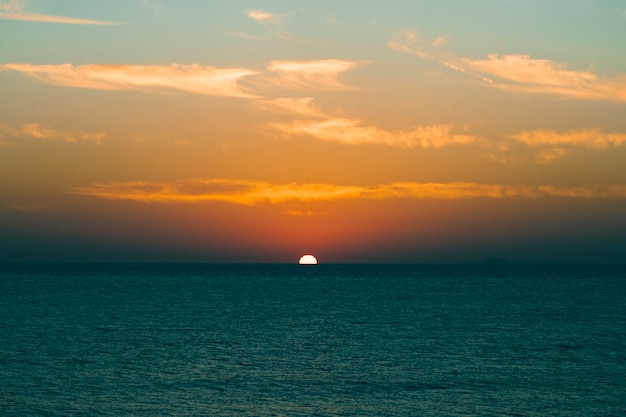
x: 253, y: 192
x: 35, y: 131
x: 225, y: 190
x: 522, y: 73
x: 302, y: 213
x: 409, y: 43
x: 590, y: 138
x: 551, y: 155
x: 316, y: 74
x: 272, y: 20
x: 264, y: 17
x: 354, y: 132
x: 440, y: 40
x: 550, y: 145
x: 14, y: 10
x: 332, y: 21
x: 195, y: 79
x: 302, y: 106
x: 523, y: 69
x: 242, y: 35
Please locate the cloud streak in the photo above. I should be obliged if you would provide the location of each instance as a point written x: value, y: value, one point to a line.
x: 522, y: 73
x: 321, y: 74
x: 36, y: 131
x: 14, y: 10
x: 590, y: 138
x: 271, y: 20
x: 224, y: 190
x: 195, y: 79
x: 408, y: 43
x: 264, y: 17
x: 355, y: 132
x: 302, y: 106
x: 254, y: 192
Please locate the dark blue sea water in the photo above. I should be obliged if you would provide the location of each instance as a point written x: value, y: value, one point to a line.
x: 330, y: 340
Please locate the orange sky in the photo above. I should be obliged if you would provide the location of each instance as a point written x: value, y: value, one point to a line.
x: 435, y: 131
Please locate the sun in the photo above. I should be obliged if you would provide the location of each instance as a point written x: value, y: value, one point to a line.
x: 307, y: 260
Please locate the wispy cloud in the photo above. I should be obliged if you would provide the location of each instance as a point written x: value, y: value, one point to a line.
x: 548, y: 156
x: 274, y: 21
x: 14, y: 10
x: 523, y: 69
x: 355, y: 132
x: 315, y: 74
x: 225, y: 190
x: 302, y: 213
x: 254, y: 192
x: 265, y: 17
x: 242, y: 35
x: 549, y: 146
x: 522, y: 73
x: 36, y: 131
x: 320, y: 74
x: 302, y: 106
x: 440, y: 40
x: 409, y: 43
x: 590, y: 138
x: 332, y: 21
x: 195, y: 79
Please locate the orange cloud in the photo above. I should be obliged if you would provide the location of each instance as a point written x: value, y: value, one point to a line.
x: 272, y: 20
x: 315, y: 74
x: 525, y: 70
x: 332, y: 21
x: 590, y: 138
x: 14, y: 10
x: 551, y: 155
x: 242, y: 35
x: 253, y: 192
x: 409, y: 43
x: 353, y: 132
x: 195, y: 79
x: 302, y: 106
x: 34, y: 130
x: 440, y: 40
x: 522, y: 73
x: 264, y: 17
x: 225, y: 190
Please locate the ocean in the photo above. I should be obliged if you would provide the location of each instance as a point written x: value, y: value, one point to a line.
x: 325, y: 340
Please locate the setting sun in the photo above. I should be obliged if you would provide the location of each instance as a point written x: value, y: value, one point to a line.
x: 307, y: 260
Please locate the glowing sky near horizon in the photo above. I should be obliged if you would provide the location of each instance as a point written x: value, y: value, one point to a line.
x: 398, y: 131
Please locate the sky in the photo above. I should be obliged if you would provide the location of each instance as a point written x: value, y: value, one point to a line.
x: 424, y: 131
